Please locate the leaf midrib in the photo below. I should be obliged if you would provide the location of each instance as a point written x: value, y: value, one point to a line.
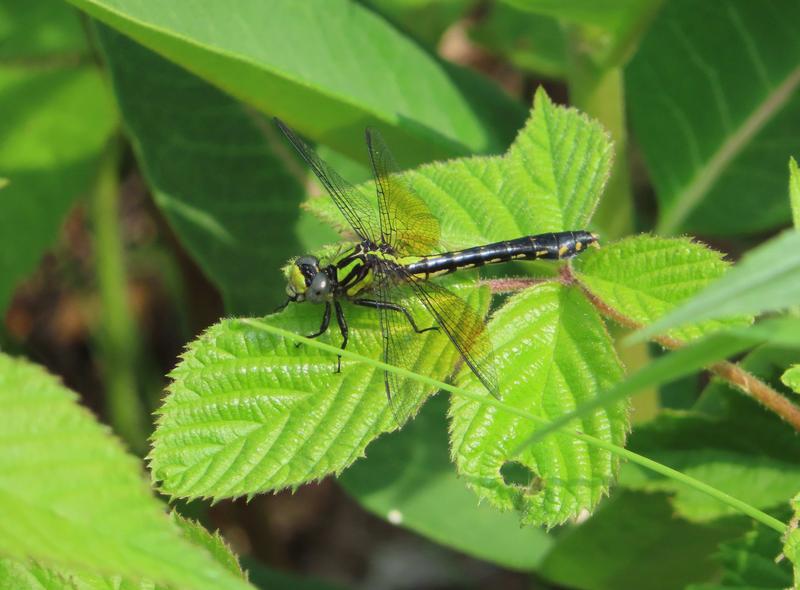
x: 693, y: 193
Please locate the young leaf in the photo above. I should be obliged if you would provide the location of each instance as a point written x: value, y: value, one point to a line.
x: 766, y: 279
x: 794, y: 192
x: 550, y: 179
x: 715, y: 126
x: 213, y: 543
x: 552, y: 348
x: 645, y: 277
x: 440, y: 507
x: 48, y: 158
x: 791, y: 545
x: 751, y: 561
x: 248, y: 412
x: 327, y: 67
x: 791, y: 378
x: 214, y: 170
x: 92, y: 510
x: 562, y: 160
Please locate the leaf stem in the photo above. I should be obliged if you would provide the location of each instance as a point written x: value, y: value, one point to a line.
x: 739, y: 378
x: 735, y: 503
x: 117, y: 337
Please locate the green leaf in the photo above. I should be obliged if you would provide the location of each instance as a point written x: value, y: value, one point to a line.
x: 33, y: 576
x: 40, y: 31
x: 554, y: 351
x: 750, y: 562
x: 564, y: 159
x: 634, y: 540
x: 731, y: 456
x: 213, y: 543
x: 715, y: 126
x: 327, y: 67
x: 791, y: 378
x: 531, y: 42
x: 752, y: 447
x: 408, y: 479
x: 248, y: 412
x: 213, y: 167
x: 791, y: 545
x: 794, y: 192
x: 92, y: 511
x: 644, y: 277
x: 550, y: 179
x: 56, y: 120
x: 766, y: 279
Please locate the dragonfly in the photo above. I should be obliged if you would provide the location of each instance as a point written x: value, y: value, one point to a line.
x: 391, y: 264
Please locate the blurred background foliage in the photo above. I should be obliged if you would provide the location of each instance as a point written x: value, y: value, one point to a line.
x: 148, y: 195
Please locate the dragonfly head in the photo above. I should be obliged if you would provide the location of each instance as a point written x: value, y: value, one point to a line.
x: 306, y: 281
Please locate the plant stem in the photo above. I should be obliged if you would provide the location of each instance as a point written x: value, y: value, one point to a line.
x: 735, y: 375
x: 600, y: 93
x: 117, y: 337
x: 735, y: 503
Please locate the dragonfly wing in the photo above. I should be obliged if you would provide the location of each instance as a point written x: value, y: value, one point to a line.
x: 395, y: 340
x: 354, y: 206
x: 402, y: 346
x: 406, y: 222
x: 463, y: 325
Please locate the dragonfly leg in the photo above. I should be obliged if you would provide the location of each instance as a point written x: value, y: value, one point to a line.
x: 394, y: 307
x: 283, y: 305
x: 326, y: 321
x: 343, y: 328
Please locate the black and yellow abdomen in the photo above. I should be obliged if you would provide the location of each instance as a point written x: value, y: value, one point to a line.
x: 542, y: 246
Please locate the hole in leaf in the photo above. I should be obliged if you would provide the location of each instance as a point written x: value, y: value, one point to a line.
x: 516, y: 474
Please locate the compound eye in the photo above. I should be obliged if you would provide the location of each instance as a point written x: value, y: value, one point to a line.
x: 309, y: 268
x: 308, y: 274
x: 320, y: 287
x: 312, y: 260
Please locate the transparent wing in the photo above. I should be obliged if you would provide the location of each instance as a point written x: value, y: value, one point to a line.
x: 404, y: 347
x: 356, y: 208
x: 463, y: 325
x: 406, y: 222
